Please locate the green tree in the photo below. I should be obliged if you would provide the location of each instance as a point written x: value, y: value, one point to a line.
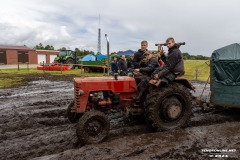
x: 40, y: 46
x: 62, y: 48
x: 49, y: 47
x: 186, y: 56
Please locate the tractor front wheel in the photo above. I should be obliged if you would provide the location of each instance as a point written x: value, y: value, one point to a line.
x: 169, y: 107
x: 93, y: 127
x: 72, y: 116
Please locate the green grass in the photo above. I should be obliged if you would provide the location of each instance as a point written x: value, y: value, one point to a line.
x: 203, y: 70
x: 13, y: 77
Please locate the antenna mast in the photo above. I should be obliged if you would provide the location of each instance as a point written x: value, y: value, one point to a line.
x: 99, y: 38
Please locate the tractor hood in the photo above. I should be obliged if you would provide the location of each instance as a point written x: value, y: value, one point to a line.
x: 102, y: 79
x: 122, y: 84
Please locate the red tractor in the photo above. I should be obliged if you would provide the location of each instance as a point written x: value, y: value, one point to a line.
x: 165, y: 107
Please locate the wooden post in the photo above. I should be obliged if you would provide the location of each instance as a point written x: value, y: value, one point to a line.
x: 28, y: 66
x: 18, y: 66
x: 81, y: 67
x: 196, y: 73
x: 61, y: 68
x: 43, y: 66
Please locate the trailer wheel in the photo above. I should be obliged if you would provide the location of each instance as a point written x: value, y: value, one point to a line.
x: 168, y: 107
x: 87, y: 70
x: 72, y: 116
x: 93, y: 127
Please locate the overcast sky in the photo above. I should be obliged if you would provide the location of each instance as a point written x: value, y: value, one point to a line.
x: 205, y: 25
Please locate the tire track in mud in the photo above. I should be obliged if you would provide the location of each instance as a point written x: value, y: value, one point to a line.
x: 36, y: 125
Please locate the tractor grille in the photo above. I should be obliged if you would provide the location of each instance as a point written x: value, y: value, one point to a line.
x: 76, y: 95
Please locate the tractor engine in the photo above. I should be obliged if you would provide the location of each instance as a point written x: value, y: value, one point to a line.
x: 103, y: 99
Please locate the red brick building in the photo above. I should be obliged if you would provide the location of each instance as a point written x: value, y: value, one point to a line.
x: 23, y: 54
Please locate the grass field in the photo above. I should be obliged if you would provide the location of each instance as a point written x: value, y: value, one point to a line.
x: 13, y: 77
x: 201, y: 66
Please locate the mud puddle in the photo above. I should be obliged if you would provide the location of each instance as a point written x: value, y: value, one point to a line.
x: 33, y: 124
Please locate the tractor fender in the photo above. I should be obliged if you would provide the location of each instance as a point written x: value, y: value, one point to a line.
x: 185, y: 82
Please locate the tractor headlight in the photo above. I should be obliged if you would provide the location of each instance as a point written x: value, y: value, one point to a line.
x: 80, y: 92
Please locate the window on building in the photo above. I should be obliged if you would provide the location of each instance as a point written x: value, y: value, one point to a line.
x: 3, y: 58
x: 23, y: 57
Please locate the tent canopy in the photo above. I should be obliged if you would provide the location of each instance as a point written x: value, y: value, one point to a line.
x: 89, y: 57
x: 225, y: 75
x: 100, y: 57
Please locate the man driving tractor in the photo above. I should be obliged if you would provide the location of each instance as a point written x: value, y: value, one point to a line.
x: 151, y: 64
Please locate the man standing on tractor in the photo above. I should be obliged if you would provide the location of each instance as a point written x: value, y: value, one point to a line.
x: 173, y: 63
x: 151, y: 65
x: 122, y: 66
x: 138, y: 56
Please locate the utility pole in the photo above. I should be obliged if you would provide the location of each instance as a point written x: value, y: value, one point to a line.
x: 99, y: 38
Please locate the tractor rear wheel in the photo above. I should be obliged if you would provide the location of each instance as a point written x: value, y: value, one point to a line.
x: 70, y: 62
x: 168, y: 107
x: 72, y: 116
x: 93, y: 127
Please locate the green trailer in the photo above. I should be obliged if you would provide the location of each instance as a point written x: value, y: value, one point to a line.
x: 225, y: 76
x: 94, y: 66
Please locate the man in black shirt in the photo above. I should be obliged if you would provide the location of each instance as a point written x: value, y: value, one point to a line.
x: 130, y: 62
x: 173, y: 63
x: 122, y: 66
x: 151, y: 65
x: 139, y: 55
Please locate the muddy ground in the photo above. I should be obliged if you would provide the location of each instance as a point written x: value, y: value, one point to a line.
x: 33, y: 124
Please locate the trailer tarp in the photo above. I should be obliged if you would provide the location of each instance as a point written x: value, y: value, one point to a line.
x: 225, y: 75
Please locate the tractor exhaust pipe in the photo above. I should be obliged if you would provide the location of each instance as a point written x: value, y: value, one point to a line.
x: 108, y: 58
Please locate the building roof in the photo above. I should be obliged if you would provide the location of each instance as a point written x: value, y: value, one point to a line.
x: 5, y: 47
x: 38, y: 50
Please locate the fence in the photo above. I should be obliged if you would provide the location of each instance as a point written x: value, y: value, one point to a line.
x: 198, y: 73
x: 27, y: 63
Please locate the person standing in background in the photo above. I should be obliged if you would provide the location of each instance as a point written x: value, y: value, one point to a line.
x: 122, y: 66
x: 114, y: 65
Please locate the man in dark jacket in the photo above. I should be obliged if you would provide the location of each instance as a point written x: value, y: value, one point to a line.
x: 139, y: 55
x: 173, y: 63
x: 151, y: 65
x: 130, y: 62
x: 114, y: 65
x: 122, y: 66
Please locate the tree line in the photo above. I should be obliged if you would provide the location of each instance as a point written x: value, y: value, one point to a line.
x: 81, y: 53
x: 187, y: 56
